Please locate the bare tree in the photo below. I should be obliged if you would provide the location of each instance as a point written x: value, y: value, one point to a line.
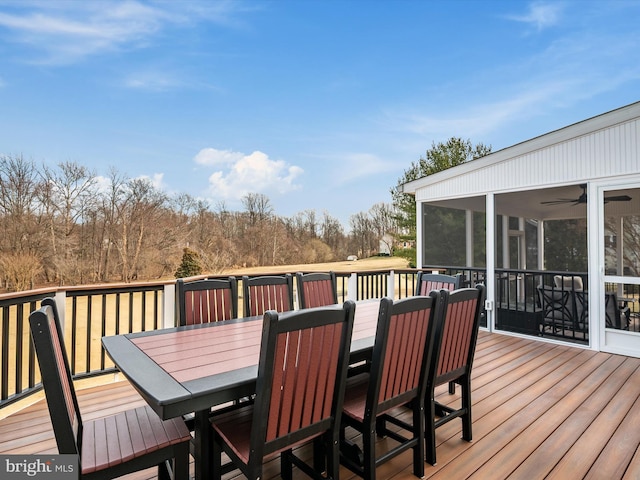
x: 137, y: 213
x: 383, y: 223
x: 332, y: 234
x: 311, y: 223
x: 258, y: 206
x: 71, y: 226
x: 70, y: 195
x: 19, y: 185
x: 363, y: 236
x: 20, y: 270
x: 106, y: 223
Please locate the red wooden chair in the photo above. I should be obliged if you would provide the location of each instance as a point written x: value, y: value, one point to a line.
x: 106, y: 447
x: 316, y: 289
x: 267, y: 293
x: 206, y: 301
x: 432, y: 281
x: 209, y: 300
x: 299, y: 392
x: 454, y: 350
x: 401, y: 358
x: 436, y: 281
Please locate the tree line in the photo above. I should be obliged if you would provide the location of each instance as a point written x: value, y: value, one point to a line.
x: 65, y: 225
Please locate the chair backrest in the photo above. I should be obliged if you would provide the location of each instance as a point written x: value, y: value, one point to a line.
x: 402, y: 352
x: 433, y: 281
x: 301, y: 376
x: 458, y: 334
x: 556, y: 304
x: 205, y: 301
x: 316, y: 289
x: 613, y: 318
x: 568, y: 282
x: 48, y: 340
x: 267, y: 293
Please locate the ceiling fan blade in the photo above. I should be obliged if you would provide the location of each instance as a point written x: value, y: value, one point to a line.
x: 618, y: 198
x: 583, y: 198
x: 560, y: 201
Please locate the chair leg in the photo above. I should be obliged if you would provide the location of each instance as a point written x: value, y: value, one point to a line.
x: 452, y: 388
x: 369, y: 450
x: 381, y: 427
x: 418, y: 432
x: 286, y: 465
x: 163, y: 471
x: 430, y: 430
x: 216, y: 461
x: 466, y: 404
x: 333, y: 458
x: 319, y: 454
x: 181, y: 463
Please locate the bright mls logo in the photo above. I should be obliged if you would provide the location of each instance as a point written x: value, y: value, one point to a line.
x: 37, y: 467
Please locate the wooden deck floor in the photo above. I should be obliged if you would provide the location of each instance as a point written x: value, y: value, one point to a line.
x: 539, y: 411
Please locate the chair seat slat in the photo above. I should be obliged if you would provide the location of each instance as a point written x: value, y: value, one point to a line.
x: 124, y: 438
x: 104, y: 448
x: 88, y: 456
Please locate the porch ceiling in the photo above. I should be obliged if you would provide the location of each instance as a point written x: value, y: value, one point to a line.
x: 528, y: 204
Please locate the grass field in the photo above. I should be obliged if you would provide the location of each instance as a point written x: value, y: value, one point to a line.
x: 373, y: 263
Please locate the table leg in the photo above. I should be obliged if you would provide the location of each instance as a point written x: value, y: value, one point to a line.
x: 202, y: 444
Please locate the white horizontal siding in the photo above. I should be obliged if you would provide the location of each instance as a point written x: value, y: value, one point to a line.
x: 611, y: 151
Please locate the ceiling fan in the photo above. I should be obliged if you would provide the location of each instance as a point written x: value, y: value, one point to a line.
x: 583, y: 198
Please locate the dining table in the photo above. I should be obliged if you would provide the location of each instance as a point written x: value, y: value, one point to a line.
x: 191, y: 369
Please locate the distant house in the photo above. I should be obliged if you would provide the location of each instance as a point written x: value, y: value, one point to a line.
x: 386, y: 244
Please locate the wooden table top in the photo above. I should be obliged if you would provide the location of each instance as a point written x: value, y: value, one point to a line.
x: 179, y: 370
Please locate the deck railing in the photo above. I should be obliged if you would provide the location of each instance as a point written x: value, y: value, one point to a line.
x: 88, y: 313
x: 519, y: 305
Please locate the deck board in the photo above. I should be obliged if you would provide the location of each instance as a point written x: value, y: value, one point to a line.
x: 540, y: 410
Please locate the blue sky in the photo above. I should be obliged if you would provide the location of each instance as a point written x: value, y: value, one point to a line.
x: 317, y: 104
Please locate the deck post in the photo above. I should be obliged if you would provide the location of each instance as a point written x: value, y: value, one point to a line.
x: 352, y: 287
x: 169, y: 306
x: 391, y: 285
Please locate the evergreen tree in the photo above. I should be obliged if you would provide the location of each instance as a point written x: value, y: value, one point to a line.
x: 439, y: 157
x: 190, y: 264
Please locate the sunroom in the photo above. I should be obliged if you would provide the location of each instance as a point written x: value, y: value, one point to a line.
x: 551, y: 226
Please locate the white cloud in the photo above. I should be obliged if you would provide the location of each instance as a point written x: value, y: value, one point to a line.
x: 68, y: 35
x: 240, y: 174
x: 540, y: 15
x: 69, y: 31
x: 481, y: 118
x: 211, y: 156
x: 359, y: 165
x: 103, y: 184
x: 154, y: 81
x: 157, y: 180
x: 569, y: 71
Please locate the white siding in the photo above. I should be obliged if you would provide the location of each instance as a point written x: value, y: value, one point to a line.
x: 551, y: 160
